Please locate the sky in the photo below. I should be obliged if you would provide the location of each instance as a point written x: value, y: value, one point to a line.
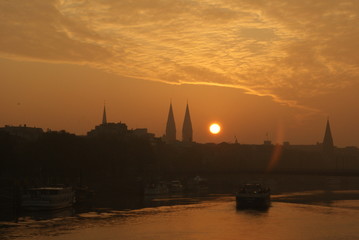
x: 263, y: 69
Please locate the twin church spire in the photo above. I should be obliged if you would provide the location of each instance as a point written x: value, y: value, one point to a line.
x: 187, y: 132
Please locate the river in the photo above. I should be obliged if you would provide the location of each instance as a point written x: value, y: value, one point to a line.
x: 294, y: 216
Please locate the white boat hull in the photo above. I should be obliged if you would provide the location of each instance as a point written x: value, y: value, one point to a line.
x: 47, y: 198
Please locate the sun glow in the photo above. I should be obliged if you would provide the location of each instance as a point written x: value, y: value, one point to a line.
x: 215, y: 128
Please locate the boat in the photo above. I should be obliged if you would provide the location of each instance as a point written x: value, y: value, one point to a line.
x: 175, y: 186
x: 253, y: 196
x: 156, y: 188
x: 197, y: 185
x: 47, y: 198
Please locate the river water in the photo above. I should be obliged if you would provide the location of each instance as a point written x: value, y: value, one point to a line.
x: 300, y: 215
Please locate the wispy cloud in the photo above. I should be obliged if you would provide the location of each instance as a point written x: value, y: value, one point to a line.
x: 285, y: 49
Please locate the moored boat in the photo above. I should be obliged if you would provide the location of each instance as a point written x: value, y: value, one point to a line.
x: 47, y: 198
x: 197, y: 185
x: 253, y: 196
x: 175, y: 186
x: 156, y: 188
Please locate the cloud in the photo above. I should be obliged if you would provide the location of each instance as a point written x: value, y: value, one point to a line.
x: 286, y: 49
x: 36, y: 30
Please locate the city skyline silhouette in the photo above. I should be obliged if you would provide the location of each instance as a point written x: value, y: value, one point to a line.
x: 170, y: 131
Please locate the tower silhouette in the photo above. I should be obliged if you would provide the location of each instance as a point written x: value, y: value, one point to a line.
x: 187, y: 132
x: 328, y: 145
x: 170, y: 127
x: 104, y: 118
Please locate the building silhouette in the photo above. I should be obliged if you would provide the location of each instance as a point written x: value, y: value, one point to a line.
x: 23, y: 131
x: 170, y: 136
x: 328, y: 144
x: 187, y: 132
x: 112, y: 129
x: 108, y: 129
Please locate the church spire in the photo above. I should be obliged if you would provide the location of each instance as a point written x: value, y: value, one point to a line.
x: 170, y: 127
x: 328, y: 139
x: 187, y: 132
x: 104, y: 118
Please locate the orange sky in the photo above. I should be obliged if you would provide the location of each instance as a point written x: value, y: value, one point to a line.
x: 279, y: 67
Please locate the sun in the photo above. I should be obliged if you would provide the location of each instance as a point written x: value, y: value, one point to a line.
x: 214, y: 128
